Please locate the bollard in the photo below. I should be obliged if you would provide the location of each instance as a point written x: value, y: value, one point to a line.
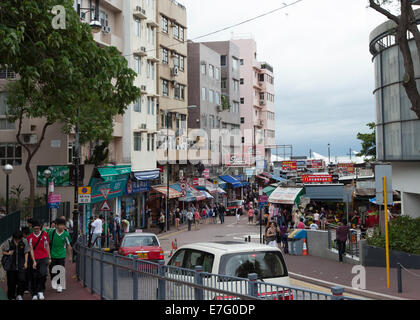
x: 337, y: 293
x: 252, y: 285
x: 115, y: 276
x: 161, y: 294
x: 399, y: 277
x: 135, y: 280
x: 198, y: 292
x: 101, y: 275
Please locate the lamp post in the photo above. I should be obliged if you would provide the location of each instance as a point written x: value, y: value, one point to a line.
x: 7, y: 169
x: 329, y: 154
x: 167, y: 163
x: 47, y: 174
x: 95, y: 24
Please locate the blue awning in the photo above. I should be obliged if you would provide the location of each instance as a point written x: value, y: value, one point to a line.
x: 147, y: 175
x: 231, y: 180
x: 277, y: 178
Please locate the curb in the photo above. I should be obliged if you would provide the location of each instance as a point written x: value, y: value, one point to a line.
x: 329, y: 285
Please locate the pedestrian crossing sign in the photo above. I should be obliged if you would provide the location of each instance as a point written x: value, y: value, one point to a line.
x: 105, y: 206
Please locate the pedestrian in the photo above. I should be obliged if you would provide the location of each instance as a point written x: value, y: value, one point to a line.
x: 341, y: 236
x: 161, y: 222
x: 250, y: 215
x: 313, y: 226
x: 301, y: 225
x: 111, y: 227
x: 316, y: 218
x: 16, y: 251
x: 270, y: 235
x: 97, y: 231
x: 213, y: 215
x: 41, y: 257
x: 90, y: 232
x: 284, y: 238
x: 196, y: 218
x: 222, y: 211
x: 190, y: 218
x: 28, y: 274
x: 60, y: 246
x: 204, y: 214
x: 177, y: 218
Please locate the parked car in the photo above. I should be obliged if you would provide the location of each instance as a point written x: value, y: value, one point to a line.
x: 233, y: 205
x: 232, y: 259
x: 144, y: 245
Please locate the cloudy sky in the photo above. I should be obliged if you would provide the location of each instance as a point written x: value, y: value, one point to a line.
x: 323, y: 69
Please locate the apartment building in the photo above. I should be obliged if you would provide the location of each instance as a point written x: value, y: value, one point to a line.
x: 172, y: 85
x: 229, y: 114
x: 205, y: 84
x: 257, y: 102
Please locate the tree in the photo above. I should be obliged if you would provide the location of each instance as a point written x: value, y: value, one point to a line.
x: 368, y: 142
x: 405, y: 23
x: 62, y: 73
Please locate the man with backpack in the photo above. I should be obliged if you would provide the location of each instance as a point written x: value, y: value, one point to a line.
x: 40, y: 254
x: 60, y: 241
x: 15, y: 263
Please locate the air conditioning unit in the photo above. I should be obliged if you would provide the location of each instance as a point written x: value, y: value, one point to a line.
x: 30, y: 138
x: 143, y: 88
x: 143, y: 49
x: 143, y: 126
x: 262, y: 102
x: 175, y: 71
x: 106, y: 29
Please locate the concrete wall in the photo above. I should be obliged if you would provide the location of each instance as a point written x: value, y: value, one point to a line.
x: 317, y: 242
x: 410, y: 204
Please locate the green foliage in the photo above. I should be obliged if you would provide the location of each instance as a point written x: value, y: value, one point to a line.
x: 225, y: 103
x: 404, y: 235
x: 100, y: 155
x: 368, y: 142
x: 62, y: 70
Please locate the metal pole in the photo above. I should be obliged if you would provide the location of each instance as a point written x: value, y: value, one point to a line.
x: 167, y: 173
x: 76, y: 181
x: 7, y: 194
x: 386, y: 234
x: 399, y: 277
x: 46, y: 201
x: 261, y: 226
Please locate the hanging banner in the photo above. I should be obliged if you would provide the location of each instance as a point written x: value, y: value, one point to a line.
x: 289, y: 165
x: 316, y: 178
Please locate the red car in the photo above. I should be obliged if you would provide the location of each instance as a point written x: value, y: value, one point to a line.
x: 145, y: 246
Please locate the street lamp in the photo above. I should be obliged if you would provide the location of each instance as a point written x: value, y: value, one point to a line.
x: 7, y: 169
x: 167, y: 154
x: 95, y: 24
x: 47, y: 175
x: 329, y: 154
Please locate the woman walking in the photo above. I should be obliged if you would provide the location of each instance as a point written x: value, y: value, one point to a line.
x: 271, y: 235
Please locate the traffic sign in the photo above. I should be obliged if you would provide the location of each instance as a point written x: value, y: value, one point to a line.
x: 105, y: 206
x: 184, y: 193
x: 105, y: 193
x: 85, y: 198
x: 85, y: 190
x: 183, y: 186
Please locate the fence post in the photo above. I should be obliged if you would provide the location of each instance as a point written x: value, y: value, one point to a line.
x: 135, y: 279
x: 101, y: 274
x: 115, y: 276
x: 252, y: 285
x: 84, y: 266
x: 399, y: 277
x: 161, y: 282
x: 91, y: 271
x: 337, y: 293
x: 198, y: 292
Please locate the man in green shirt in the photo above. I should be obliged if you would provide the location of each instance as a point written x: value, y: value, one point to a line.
x: 60, y: 247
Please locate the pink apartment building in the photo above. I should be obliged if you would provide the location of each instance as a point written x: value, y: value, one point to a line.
x: 257, y: 102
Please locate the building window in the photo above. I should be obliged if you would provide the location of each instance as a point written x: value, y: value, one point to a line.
x: 137, y: 105
x: 137, y: 141
x: 203, y: 121
x: 176, y: 60
x: 211, y: 96
x: 165, y: 24
x: 4, y: 122
x: 261, y: 77
x: 211, y: 122
x: 181, y: 33
x: 235, y: 85
x: 71, y: 150
x: 235, y: 107
x: 165, y: 88
x: 203, y: 69
x: 223, y: 60
x: 211, y: 71
x: 242, y: 120
x: 176, y: 31
x: 181, y: 63
x: 137, y: 27
x: 10, y: 153
x: 165, y: 56
x: 203, y: 94
x: 241, y: 81
x: 180, y: 92
x: 137, y: 65
x: 217, y: 73
x: 224, y: 83
x: 235, y: 65
x: 218, y: 98
x: 241, y: 62
x: 242, y: 100
x: 103, y: 18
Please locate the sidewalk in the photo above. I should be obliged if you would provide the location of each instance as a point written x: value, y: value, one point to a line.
x: 74, y: 290
x: 341, y: 273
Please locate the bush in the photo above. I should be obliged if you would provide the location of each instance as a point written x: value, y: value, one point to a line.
x: 404, y: 235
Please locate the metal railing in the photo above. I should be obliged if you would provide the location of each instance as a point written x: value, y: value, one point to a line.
x: 352, y: 244
x: 114, y: 277
x: 9, y: 224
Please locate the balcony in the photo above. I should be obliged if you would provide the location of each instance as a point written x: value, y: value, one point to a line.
x: 140, y: 52
x: 140, y: 13
x: 265, y: 65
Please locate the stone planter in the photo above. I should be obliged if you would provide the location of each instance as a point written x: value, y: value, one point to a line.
x: 376, y: 257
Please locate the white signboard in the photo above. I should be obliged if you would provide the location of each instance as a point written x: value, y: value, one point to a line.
x: 85, y: 198
x: 382, y: 171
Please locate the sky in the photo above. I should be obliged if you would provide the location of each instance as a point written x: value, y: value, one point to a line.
x: 324, y: 75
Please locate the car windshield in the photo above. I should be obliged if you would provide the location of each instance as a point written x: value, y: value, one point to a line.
x: 268, y: 264
x: 140, y: 241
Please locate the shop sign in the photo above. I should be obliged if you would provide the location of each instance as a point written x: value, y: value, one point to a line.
x: 301, y: 163
x: 317, y: 164
x: 289, y: 165
x: 316, y: 178
x: 237, y: 160
x: 116, y: 188
x: 137, y: 186
x: 345, y: 168
x: 60, y: 175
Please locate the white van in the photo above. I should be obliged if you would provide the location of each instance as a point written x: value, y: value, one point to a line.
x: 233, y: 259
